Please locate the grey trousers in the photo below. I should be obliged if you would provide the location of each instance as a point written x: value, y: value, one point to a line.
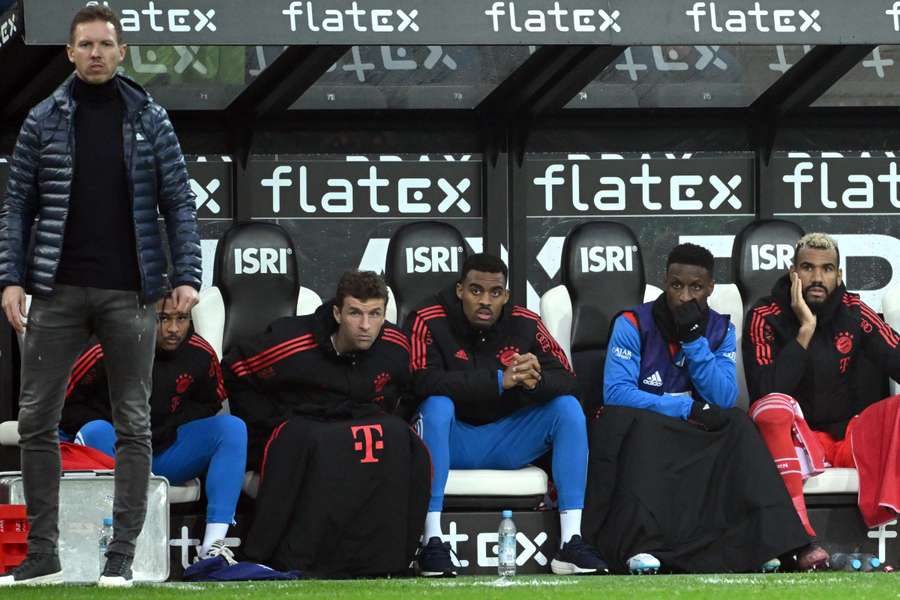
x: 58, y: 330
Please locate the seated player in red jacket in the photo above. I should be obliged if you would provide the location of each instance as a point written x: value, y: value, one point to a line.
x: 802, y: 347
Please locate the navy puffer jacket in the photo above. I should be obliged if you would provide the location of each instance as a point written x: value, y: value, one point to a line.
x: 40, y: 181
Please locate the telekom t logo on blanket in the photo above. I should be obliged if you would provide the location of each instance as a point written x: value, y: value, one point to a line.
x: 369, y: 442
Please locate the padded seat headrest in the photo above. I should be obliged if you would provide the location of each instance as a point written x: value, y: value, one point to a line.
x: 256, y: 271
x: 762, y: 253
x: 604, y: 273
x: 422, y: 259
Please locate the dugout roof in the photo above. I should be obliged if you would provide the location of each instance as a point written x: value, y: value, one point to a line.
x: 503, y: 59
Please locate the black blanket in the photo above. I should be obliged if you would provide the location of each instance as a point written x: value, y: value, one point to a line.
x: 339, y: 501
x: 701, y: 502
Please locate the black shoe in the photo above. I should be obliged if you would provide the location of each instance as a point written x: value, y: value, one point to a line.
x: 36, y: 569
x: 812, y: 557
x: 117, y: 572
x: 578, y: 558
x: 434, y: 559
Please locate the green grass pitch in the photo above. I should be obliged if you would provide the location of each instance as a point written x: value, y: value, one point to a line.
x: 818, y: 586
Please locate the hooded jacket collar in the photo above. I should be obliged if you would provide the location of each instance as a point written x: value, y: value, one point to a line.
x: 781, y: 291
x: 458, y: 321
x: 325, y: 326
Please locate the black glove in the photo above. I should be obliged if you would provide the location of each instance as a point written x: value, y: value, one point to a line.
x: 688, y: 322
x: 707, y: 415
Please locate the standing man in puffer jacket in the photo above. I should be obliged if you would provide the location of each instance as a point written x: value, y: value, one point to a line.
x: 95, y: 163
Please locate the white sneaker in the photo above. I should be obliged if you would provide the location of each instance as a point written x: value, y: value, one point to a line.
x: 218, y: 548
x: 643, y: 564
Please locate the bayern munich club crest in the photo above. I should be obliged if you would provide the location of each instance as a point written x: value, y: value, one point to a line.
x: 843, y: 341
x: 506, y: 354
x: 381, y: 380
x: 183, y: 382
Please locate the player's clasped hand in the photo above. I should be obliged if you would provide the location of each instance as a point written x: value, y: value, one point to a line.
x: 525, y: 371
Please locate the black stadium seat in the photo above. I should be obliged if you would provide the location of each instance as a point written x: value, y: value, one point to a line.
x: 256, y: 271
x: 422, y: 258
x: 602, y: 274
x: 255, y: 281
x: 762, y: 253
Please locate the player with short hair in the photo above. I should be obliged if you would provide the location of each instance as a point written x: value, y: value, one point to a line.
x: 679, y: 479
x: 343, y: 481
x: 188, y: 435
x: 802, y: 350
x: 496, y: 392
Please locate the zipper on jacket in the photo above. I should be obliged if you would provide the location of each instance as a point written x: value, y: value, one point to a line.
x: 142, y: 293
x: 70, y: 140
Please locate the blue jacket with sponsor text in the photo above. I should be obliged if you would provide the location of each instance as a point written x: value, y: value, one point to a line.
x: 644, y: 370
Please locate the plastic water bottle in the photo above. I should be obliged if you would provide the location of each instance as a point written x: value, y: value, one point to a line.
x: 506, y: 546
x: 844, y: 562
x: 105, y: 537
x: 869, y: 562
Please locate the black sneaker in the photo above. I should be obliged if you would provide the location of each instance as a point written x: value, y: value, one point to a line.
x: 117, y: 572
x: 36, y: 569
x: 578, y: 558
x: 434, y: 559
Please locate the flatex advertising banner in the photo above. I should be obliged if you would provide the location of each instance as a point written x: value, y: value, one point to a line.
x: 212, y: 184
x: 342, y: 210
x: 422, y: 22
x: 211, y: 179
x: 9, y: 25
x: 362, y: 189
x: 635, y: 185
x: 665, y: 198
x: 854, y: 196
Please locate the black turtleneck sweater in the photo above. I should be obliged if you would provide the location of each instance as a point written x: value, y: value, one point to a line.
x: 99, y: 248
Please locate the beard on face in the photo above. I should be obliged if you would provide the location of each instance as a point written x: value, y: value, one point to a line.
x: 815, y: 304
